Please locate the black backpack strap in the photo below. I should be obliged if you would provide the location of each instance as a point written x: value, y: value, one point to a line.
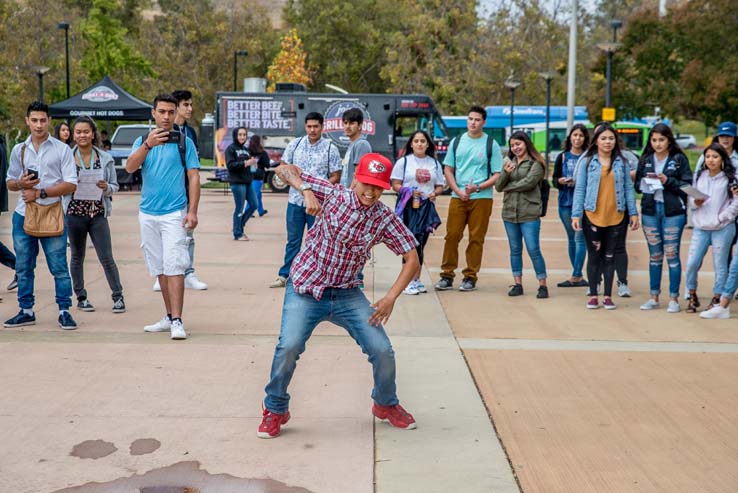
x: 490, y: 142
x: 404, y: 166
x: 455, y: 148
x: 182, y: 148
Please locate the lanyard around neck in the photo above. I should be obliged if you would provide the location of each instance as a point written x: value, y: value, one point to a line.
x: 82, y: 161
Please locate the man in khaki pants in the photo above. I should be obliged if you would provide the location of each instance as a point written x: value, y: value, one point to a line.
x: 471, y: 167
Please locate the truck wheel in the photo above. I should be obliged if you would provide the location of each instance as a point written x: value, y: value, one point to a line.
x: 277, y: 184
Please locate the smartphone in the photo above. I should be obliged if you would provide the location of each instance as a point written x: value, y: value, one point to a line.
x: 174, y: 137
x: 33, y: 174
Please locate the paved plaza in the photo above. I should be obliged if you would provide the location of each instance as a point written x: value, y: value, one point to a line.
x: 510, y: 394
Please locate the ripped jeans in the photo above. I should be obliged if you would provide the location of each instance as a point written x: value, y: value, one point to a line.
x: 601, y: 245
x: 720, y: 241
x: 664, y: 236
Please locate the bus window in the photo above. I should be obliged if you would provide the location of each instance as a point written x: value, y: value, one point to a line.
x: 632, y: 137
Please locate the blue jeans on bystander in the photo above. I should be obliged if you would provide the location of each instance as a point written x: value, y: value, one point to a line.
x: 720, y: 241
x: 577, y: 245
x: 296, y: 220
x: 664, y: 236
x: 242, y: 193
x: 530, y: 232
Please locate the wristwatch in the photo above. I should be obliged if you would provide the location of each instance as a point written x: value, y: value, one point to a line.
x: 43, y: 193
x: 304, y: 187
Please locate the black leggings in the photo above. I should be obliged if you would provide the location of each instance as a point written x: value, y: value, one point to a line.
x: 77, y: 230
x: 602, y: 247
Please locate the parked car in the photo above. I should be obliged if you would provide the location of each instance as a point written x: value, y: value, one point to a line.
x: 686, y: 141
x: 123, y: 139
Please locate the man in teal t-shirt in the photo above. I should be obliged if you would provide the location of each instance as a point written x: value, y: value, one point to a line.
x: 165, y: 214
x: 471, y: 174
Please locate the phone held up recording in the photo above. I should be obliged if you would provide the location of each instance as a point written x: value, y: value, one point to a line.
x: 174, y: 137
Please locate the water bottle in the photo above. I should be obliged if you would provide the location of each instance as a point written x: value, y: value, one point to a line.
x: 416, y: 199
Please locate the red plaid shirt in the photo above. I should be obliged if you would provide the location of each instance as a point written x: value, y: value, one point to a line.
x: 339, y: 243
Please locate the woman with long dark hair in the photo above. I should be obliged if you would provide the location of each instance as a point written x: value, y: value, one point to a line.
x: 714, y: 221
x: 240, y: 163
x: 563, y: 179
x: 256, y: 149
x: 662, y: 170
x: 520, y: 180
x: 90, y: 216
x: 63, y: 132
x: 418, y: 178
x: 603, y: 198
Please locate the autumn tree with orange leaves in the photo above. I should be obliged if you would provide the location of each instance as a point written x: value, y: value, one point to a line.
x: 290, y: 64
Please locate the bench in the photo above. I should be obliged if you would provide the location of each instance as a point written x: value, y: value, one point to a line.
x: 221, y: 176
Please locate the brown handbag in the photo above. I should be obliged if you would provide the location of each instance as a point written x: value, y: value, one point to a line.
x: 42, y: 220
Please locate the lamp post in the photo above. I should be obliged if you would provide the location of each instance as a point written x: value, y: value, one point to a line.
x: 610, y: 49
x: 65, y: 26
x: 40, y: 70
x: 548, y: 77
x: 235, y: 66
x: 512, y: 84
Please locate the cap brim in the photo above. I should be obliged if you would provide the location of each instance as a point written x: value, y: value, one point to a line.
x: 368, y: 180
x: 726, y: 134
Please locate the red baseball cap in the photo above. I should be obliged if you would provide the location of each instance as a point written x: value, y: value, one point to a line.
x: 374, y: 169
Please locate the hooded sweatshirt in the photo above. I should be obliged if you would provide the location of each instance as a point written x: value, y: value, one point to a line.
x: 236, y: 156
x: 720, y: 209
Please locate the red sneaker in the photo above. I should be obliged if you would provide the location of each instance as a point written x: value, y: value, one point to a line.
x: 271, y: 424
x: 396, y: 415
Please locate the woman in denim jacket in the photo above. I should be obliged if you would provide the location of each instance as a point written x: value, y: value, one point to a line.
x: 714, y: 222
x: 661, y: 173
x: 603, y: 196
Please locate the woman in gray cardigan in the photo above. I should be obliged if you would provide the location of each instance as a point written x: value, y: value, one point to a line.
x: 88, y: 214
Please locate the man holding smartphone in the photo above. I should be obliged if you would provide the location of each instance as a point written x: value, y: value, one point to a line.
x: 165, y: 215
x: 42, y: 169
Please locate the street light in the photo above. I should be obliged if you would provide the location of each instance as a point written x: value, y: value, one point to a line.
x: 548, y: 77
x: 512, y: 84
x: 235, y: 67
x: 610, y: 49
x: 40, y: 71
x: 65, y: 26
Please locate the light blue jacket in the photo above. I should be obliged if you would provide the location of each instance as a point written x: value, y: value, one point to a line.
x: 588, y: 186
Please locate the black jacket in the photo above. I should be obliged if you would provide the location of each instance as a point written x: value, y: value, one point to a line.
x: 678, y: 174
x: 236, y: 155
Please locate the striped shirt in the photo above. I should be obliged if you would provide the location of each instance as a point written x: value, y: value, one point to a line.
x: 340, y: 242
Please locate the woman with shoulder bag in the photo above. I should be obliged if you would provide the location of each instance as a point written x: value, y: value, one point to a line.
x: 521, y: 177
x: 90, y: 216
x: 662, y: 171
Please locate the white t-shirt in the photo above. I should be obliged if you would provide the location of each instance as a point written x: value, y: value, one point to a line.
x: 421, y: 174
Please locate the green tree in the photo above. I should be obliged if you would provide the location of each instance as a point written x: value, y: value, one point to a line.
x: 290, y: 63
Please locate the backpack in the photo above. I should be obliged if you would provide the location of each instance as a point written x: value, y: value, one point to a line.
x: 545, y: 192
x: 490, y: 142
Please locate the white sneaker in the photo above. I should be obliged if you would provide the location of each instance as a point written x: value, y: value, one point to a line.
x: 673, y: 307
x: 162, y: 325
x: 156, y: 287
x: 623, y: 290
x: 420, y: 286
x: 716, y: 311
x: 651, y: 305
x: 410, y: 289
x: 192, y: 282
x: 178, y: 331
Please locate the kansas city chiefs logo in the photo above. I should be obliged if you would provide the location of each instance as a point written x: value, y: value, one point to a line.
x: 376, y: 167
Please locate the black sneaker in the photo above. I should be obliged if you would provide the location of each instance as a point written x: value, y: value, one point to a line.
x: 542, y: 292
x: 84, y: 305
x: 119, y: 306
x: 515, y: 290
x: 20, y: 320
x: 444, y: 284
x: 468, y: 284
x: 13, y: 284
x: 66, y: 321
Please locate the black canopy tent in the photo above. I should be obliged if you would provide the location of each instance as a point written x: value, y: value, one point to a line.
x: 105, y: 100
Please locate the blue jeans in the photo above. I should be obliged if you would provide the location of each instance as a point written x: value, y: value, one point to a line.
x: 720, y: 241
x: 242, y: 193
x: 530, y: 232
x: 664, y: 237
x: 347, y: 308
x: 577, y: 245
x: 296, y: 221
x: 731, y: 283
x: 257, y: 185
x: 55, y: 250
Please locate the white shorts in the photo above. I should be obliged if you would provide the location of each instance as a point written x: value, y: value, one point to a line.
x: 164, y: 242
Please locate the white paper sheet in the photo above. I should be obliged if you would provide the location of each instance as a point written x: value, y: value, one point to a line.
x: 87, y: 188
x: 694, y: 192
x: 650, y: 185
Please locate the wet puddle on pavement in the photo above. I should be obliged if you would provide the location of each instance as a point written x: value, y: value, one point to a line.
x: 144, y: 446
x: 93, y: 449
x: 185, y: 477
